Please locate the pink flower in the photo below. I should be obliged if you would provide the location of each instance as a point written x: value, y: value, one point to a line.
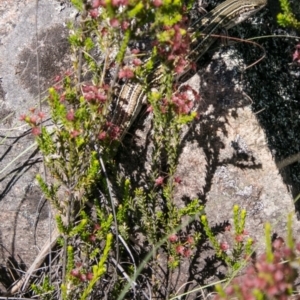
x: 296, y: 54
x: 62, y: 97
x: 97, y: 3
x: 101, y: 97
x: 159, y: 181
x: 135, y: 51
x: 125, y: 25
x: 171, y: 57
x: 187, y: 252
x: 182, y: 104
x: 82, y: 277
x: 86, y: 88
x: 89, y: 96
x: 57, y: 78
x: 58, y: 87
x: 97, y: 227
x: 105, y: 87
x: 114, y: 132
x: 41, y: 115
x: 70, y: 115
x: 179, y: 69
x: 68, y: 73
x: 163, y: 109
x: 137, y: 62
x: 157, y: 3
x: 149, y: 109
x: 224, y: 246
x: 239, y: 238
x: 288, y: 253
x: 227, y: 227
x: 23, y: 117
x: 180, y: 249
x: 104, y: 31
x: 89, y: 276
x: 177, y: 179
x: 278, y: 275
x: 75, y: 272
x: 117, y: 3
x: 94, y: 13
x: 114, y: 22
x: 126, y: 73
x: 173, y: 238
x: 102, y: 136
x: 181, y: 66
x: 33, y: 120
x: 229, y: 290
x: 278, y: 243
x: 74, y: 133
x: 36, y: 131
x: 92, y: 238
x: 190, y: 240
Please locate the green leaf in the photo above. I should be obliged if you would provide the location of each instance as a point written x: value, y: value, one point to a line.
x: 78, y: 4
x: 89, y: 44
x: 136, y: 10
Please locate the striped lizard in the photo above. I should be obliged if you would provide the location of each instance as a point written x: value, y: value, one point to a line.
x: 132, y: 96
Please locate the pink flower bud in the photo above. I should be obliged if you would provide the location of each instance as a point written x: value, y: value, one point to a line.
x: 70, y: 115
x: 157, y: 3
x: 173, y: 238
x: 114, y: 22
x: 159, y: 181
x: 36, y: 131
x: 180, y: 249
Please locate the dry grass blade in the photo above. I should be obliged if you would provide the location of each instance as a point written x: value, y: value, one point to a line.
x: 22, y: 284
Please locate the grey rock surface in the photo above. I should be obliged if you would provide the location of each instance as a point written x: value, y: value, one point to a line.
x: 224, y: 161
x: 25, y: 224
